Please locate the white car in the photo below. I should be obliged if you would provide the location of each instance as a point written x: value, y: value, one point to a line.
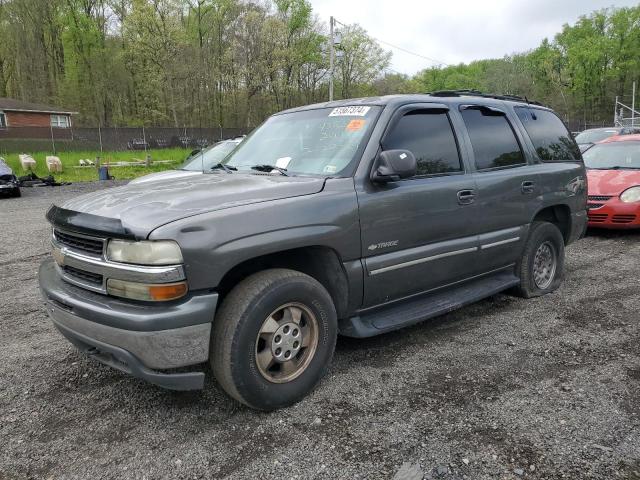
x: 197, y: 163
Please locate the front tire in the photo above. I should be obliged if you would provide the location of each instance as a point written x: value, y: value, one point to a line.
x: 541, y: 268
x: 273, y: 338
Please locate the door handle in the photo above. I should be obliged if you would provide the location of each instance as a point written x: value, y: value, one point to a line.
x: 466, y: 197
x: 528, y: 186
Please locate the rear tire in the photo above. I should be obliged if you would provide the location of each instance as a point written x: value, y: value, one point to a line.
x: 541, y: 267
x: 273, y: 338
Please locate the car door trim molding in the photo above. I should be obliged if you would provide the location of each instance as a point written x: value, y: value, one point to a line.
x: 501, y: 242
x: 418, y: 261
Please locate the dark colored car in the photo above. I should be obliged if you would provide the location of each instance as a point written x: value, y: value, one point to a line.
x: 355, y: 217
x: 613, y: 171
x: 588, y: 138
x: 9, y: 184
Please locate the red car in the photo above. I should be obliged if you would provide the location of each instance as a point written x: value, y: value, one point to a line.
x: 613, y: 171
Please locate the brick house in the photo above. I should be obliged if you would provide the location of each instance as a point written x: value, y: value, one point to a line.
x: 20, y: 119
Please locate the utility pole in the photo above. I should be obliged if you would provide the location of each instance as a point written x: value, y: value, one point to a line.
x: 331, y: 57
x: 633, y: 105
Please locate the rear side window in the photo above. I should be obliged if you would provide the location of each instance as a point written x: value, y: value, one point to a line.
x: 492, y: 138
x: 429, y: 136
x: 551, y: 139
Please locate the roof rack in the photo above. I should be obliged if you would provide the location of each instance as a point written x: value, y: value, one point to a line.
x: 477, y: 93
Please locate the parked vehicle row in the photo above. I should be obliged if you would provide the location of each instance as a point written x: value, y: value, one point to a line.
x: 590, y: 137
x: 355, y: 217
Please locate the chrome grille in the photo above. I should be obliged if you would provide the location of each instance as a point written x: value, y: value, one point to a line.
x: 593, y: 206
x: 83, y: 276
x: 600, y: 198
x: 81, y: 243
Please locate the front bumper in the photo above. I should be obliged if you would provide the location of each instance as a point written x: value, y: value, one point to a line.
x: 133, y: 337
x: 614, y: 214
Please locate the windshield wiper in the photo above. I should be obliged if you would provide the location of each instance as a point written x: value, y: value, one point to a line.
x: 269, y: 168
x: 221, y: 166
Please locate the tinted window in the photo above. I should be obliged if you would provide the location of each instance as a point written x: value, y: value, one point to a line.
x: 3, y: 120
x: 494, y: 143
x: 548, y: 134
x: 428, y: 135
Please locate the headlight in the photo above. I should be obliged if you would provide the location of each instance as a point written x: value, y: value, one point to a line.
x: 631, y: 195
x: 165, y: 252
x: 143, y: 291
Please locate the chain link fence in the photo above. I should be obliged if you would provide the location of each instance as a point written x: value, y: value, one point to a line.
x: 55, y: 140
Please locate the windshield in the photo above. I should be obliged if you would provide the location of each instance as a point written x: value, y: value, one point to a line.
x: 610, y: 156
x: 210, y: 156
x: 313, y: 142
x: 593, y: 136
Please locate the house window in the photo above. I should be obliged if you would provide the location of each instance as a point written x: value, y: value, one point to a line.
x: 60, y: 121
x: 3, y: 120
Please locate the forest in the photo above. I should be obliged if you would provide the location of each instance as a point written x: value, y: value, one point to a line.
x: 230, y: 63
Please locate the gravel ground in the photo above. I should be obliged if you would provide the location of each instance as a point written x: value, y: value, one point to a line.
x: 506, y: 388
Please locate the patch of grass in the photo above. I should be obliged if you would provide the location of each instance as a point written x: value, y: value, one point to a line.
x: 71, y: 159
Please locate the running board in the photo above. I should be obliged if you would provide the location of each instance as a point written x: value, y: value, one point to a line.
x: 415, y: 310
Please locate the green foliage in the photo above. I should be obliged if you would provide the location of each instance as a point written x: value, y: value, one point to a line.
x: 231, y: 63
x: 201, y: 63
x: 579, y: 72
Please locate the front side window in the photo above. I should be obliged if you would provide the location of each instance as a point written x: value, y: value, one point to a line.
x: 3, y: 120
x: 60, y: 121
x: 324, y: 141
x: 548, y: 134
x: 429, y: 136
x: 492, y: 138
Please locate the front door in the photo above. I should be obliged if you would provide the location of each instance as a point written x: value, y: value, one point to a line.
x: 420, y: 233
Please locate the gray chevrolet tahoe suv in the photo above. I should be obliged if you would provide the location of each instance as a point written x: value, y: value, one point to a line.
x: 354, y: 217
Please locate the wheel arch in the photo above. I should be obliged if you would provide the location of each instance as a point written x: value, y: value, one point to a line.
x: 559, y: 215
x: 320, y: 262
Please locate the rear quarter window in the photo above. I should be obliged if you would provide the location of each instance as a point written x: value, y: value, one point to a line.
x: 550, y: 137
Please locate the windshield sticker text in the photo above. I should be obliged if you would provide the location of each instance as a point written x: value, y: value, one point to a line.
x: 354, y: 111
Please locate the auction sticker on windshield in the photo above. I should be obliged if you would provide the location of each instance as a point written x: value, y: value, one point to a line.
x: 355, y: 125
x: 354, y: 111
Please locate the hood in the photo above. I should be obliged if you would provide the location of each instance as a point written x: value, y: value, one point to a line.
x: 142, y: 207
x: 168, y: 174
x: 611, y: 182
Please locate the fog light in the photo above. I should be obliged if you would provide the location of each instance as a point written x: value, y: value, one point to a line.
x: 144, y: 291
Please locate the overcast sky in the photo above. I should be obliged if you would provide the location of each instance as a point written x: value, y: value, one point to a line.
x: 454, y: 31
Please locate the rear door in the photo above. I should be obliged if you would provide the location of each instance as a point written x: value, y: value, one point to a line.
x: 419, y: 233
x: 506, y: 183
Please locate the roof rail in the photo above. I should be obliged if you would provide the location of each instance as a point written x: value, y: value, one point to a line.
x: 477, y: 93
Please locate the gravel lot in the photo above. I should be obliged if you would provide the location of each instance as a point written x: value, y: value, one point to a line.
x: 506, y: 388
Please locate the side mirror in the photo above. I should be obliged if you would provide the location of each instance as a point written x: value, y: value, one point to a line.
x: 194, y: 153
x: 394, y: 165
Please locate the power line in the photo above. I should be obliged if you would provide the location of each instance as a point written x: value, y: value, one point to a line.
x: 434, y: 60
